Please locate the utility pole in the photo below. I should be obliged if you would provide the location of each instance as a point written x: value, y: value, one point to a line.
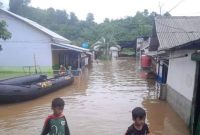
x: 160, y: 7
x: 35, y: 64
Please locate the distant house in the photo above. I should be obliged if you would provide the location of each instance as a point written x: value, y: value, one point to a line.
x: 174, y: 45
x: 127, y: 48
x: 143, y: 45
x: 34, y: 45
x: 114, y: 51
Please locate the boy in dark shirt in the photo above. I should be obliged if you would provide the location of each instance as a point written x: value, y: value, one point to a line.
x: 139, y: 127
x: 56, y: 124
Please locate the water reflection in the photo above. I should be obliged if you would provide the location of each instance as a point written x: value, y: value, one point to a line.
x: 162, y: 120
x: 99, y: 102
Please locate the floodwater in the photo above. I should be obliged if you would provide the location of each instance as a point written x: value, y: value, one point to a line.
x: 98, y: 103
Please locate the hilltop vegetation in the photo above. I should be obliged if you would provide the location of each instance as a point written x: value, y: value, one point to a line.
x: 78, y: 31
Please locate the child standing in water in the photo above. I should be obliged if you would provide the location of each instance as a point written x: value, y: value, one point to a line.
x: 56, y: 124
x: 139, y: 127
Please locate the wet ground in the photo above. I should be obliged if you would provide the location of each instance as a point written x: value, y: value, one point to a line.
x: 98, y: 103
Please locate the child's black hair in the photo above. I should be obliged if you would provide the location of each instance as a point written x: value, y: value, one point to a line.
x: 58, y: 102
x: 138, y: 112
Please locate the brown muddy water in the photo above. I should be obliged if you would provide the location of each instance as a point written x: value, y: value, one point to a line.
x: 98, y: 103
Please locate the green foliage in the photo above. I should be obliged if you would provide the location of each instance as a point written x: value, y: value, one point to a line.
x: 104, y: 57
x: 128, y: 51
x: 17, y: 6
x: 128, y: 28
x: 79, y: 31
x: 4, y: 34
x: 90, y: 18
x: 103, y: 45
x: 167, y: 14
x: 73, y: 19
x: 1, y: 4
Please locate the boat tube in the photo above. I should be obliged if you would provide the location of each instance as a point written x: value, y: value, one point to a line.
x: 24, y: 80
x: 10, y: 93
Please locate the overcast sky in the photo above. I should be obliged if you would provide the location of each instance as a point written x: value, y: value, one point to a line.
x: 114, y: 9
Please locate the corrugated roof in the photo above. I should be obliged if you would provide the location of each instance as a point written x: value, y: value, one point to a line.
x: 154, y: 44
x: 176, y: 31
x: 38, y: 26
x: 72, y: 47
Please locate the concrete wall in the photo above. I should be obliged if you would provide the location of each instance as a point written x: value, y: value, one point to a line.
x: 181, y: 74
x: 181, y: 82
x: 26, y: 42
x: 179, y: 103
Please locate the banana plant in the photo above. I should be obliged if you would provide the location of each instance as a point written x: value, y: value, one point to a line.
x: 104, y: 44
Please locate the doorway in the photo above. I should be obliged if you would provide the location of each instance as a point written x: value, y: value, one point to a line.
x: 195, y: 111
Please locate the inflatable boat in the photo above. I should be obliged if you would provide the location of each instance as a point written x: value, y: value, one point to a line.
x: 24, y: 80
x: 21, y: 89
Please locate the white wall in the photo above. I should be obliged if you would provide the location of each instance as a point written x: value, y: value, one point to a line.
x: 181, y: 74
x: 114, y: 54
x: 86, y: 61
x: 25, y: 42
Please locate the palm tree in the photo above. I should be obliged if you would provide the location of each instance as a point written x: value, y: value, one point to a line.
x: 104, y: 44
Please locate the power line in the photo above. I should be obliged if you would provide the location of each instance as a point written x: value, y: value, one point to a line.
x: 186, y: 32
x: 178, y: 4
x: 170, y: 26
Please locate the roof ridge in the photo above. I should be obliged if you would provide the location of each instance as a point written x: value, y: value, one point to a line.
x: 175, y: 17
x: 176, y: 30
x: 38, y: 26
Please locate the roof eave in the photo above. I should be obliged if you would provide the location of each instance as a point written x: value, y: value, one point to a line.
x: 19, y: 18
x: 72, y: 47
x: 58, y: 40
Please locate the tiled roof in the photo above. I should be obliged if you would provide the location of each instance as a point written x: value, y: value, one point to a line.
x: 176, y: 31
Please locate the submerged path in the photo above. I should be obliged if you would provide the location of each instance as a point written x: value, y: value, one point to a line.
x: 99, y: 103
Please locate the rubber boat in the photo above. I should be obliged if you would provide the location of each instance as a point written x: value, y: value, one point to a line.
x: 30, y: 87
x: 24, y: 80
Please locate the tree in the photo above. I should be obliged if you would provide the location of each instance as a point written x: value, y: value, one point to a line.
x: 146, y: 12
x: 15, y: 6
x: 73, y: 18
x: 51, y: 16
x: 1, y: 4
x: 106, y: 20
x: 167, y: 14
x: 90, y: 18
x: 104, y: 45
x: 4, y: 33
x: 153, y: 14
x: 61, y: 16
x: 79, y: 31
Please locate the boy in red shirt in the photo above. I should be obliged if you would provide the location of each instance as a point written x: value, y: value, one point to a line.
x: 56, y: 124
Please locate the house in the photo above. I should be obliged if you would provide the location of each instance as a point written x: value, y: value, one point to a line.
x: 114, y: 50
x: 142, y: 45
x: 128, y: 48
x: 174, y: 45
x: 142, y: 48
x: 33, y: 45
